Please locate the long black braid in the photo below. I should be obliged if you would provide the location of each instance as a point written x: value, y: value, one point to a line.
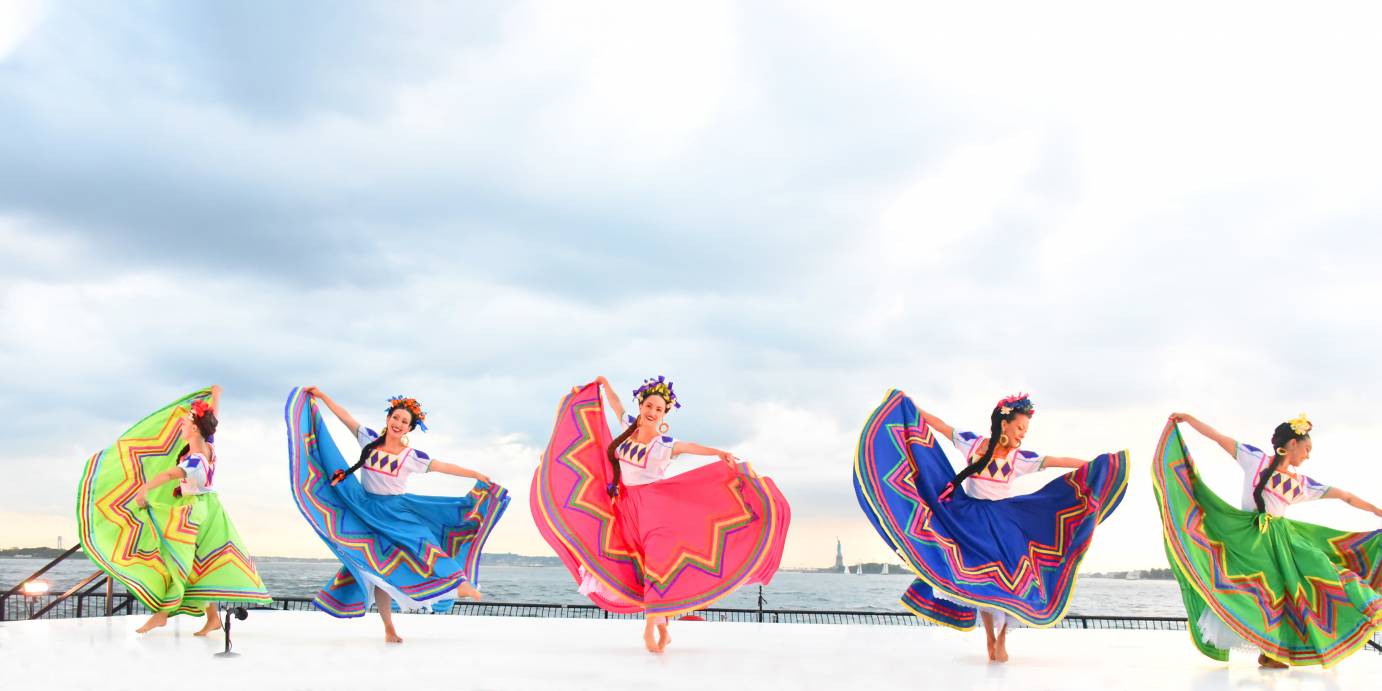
x: 1006, y: 411
x: 1283, y: 433
x: 612, y: 454
x: 995, y: 431
x: 374, y: 444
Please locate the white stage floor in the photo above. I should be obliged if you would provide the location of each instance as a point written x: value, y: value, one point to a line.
x: 306, y: 650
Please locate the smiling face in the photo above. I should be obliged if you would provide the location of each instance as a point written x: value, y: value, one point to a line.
x: 651, y: 412
x: 1298, y: 451
x: 399, y: 423
x: 1016, y: 429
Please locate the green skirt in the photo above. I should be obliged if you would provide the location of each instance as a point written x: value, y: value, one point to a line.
x: 1301, y: 593
x: 176, y: 555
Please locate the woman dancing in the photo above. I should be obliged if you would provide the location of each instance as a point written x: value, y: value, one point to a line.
x: 395, y: 546
x: 636, y: 539
x: 1301, y: 594
x: 974, y: 546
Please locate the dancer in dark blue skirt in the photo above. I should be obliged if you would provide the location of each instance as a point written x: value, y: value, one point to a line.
x: 979, y: 553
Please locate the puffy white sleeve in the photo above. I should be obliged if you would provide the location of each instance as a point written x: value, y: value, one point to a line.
x: 365, y: 435
x: 965, y: 442
x: 1250, y: 458
x: 1028, y: 461
x: 419, y: 461
x: 1311, y: 490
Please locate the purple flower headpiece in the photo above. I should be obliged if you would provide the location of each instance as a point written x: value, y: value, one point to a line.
x: 1016, y: 404
x: 659, y: 387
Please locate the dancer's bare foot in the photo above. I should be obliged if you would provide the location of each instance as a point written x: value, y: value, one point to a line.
x: 993, y: 656
x: 157, y: 620
x: 1269, y: 663
x: 649, y: 641
x: 663, y: 638
x: 1000, y: 649
x: 467, y: 590
x: 213, y: 623
x: 391, y: 636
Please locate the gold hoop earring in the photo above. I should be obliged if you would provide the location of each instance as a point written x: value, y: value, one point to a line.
x: 404, y: 439
x: 1281, y: 451
x: 1002, y: 440
x: 662, y: 428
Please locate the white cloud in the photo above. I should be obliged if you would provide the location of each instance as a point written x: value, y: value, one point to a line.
x: 17, y: 19
x: 787, y: 209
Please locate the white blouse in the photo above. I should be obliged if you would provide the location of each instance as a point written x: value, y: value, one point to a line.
x: 386, y: 473
x: 994, y: 481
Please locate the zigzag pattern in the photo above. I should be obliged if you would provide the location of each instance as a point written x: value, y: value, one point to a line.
x: 1308, y: 612
x: 1036, y: 588
x: 112, y: 527
x: 412, y: 570
x: 573, y: 510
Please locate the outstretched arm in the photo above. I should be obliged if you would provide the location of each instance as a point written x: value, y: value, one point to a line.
x: 1062, y: 462
x: 452, y: 469
x: 340, y: 413
x: 1352, y: 500
x: 613, y: 398
x: 938, y: 424
x: 1224, y: 441
x: 682, y: 447
x: 216, y: 399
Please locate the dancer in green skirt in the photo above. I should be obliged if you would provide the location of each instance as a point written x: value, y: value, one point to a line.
x: 171, y: 544
x: 1302, y: 594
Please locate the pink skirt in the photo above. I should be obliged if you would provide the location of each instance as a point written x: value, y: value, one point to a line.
x: 664, y: 548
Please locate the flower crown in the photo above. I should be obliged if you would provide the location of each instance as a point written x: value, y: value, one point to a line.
x: 411, y: 405
x: 1301, y: 425
x: 657, y: 387
x: 1017, y: 403
x: 200, y: 408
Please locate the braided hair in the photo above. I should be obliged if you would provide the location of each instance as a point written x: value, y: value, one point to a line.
x: 374, y: 444
x: 1006, y: 411
x: 1283, y: 434
x: 612, y: 452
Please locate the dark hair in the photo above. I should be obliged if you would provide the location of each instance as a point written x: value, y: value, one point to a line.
x: 612, y: 454
x: 996, y: 420
x: 206, y: 426
x: 1280, y: 436
x: 374, y: 444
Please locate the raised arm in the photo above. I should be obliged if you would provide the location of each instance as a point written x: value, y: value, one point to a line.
x: 216, y: 399
x: 939, y: 425
x: 613, y: 398
x: 1352, y: 500
x: 340, y: 413
x: 682, y: 447
x: 1224, y: 441
x: 1062, y: 462
x: 452, y: 469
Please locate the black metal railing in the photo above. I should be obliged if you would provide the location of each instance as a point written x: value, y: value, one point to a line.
x: 94, y: 604
x: 84, y: 600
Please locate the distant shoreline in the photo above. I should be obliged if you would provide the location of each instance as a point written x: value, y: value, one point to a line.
x: 523, y: 560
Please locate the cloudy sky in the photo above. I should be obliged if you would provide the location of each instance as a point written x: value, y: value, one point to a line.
x: 788, y: 208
